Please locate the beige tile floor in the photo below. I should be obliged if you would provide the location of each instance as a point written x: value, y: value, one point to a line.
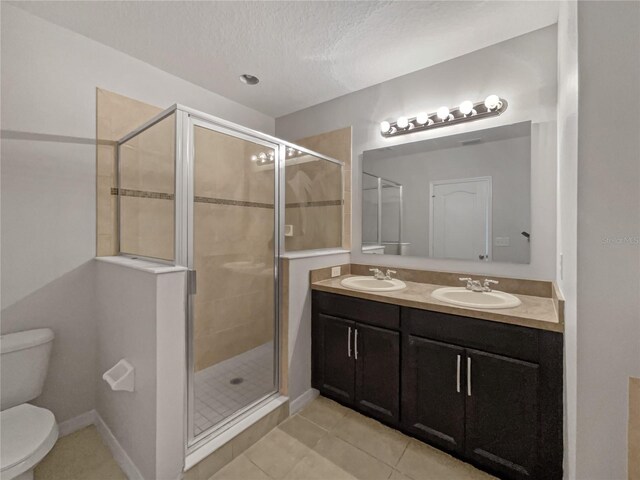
x: 323, y: 442
x: 329, y: 442
x: 79, y: 456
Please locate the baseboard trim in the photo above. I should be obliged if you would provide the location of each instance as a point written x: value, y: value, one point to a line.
x: 303, y: 400
x: 119, y: 454
x: 76, y: 423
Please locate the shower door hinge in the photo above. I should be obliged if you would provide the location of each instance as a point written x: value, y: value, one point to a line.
x: 191, y: 282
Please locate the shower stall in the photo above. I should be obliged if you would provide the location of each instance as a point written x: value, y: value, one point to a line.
x: 382, y: 216
x: 209, y: 195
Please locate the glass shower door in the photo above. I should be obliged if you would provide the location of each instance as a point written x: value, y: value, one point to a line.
x: 233, y: 251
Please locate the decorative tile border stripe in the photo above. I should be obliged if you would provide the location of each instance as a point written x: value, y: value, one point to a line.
x: 221, y: 201
x: 125, y: 192
x: 237, y: 203
x: 319, y: 203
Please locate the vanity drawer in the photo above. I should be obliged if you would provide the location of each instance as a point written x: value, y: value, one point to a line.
x: 366, y: 311
x: 509, y: 340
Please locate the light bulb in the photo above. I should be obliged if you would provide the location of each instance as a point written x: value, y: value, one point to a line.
x: 385, y: 126
x: 262, y: 156
x: 402, y: 122
x: 466, y: 107
x: 422, y: 118
x: 443, y: 113
x: 254, y: 158
x: 492, y: 102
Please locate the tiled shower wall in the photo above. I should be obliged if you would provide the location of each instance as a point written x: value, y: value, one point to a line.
x: 335, y: 144
x: 147, y: 192
x: 116, y: 116
x: 313, y: 205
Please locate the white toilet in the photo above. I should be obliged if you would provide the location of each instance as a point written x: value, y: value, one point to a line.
x: 28, y: 433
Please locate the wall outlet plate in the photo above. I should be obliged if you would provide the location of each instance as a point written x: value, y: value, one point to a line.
x: 502, y: 241
x: 336, y: 271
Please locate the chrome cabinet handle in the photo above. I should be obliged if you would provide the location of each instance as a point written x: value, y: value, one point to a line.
x: 458, y: 376
x: 355, y: 344
x: 468, y: 376
x: 349, y: 344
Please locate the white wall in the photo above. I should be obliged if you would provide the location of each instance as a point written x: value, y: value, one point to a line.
x: 608, y: 280
x: 48, y: 89
x: 171, y: 370
x: 522, y: 70
x: 141, y: 318
x: 126, y: 313
x: 300, y: 319
x: 568, y: 211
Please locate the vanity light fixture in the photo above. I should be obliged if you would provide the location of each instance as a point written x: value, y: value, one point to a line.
x: 443, y: 113
x: 422, y: 118
x: 466, y: 107
x: 403, y: 122
x: 467, y: 111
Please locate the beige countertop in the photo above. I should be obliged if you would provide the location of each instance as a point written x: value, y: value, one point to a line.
x: 535, y: 312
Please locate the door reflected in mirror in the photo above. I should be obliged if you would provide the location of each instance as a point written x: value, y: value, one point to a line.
x: 464, y: 196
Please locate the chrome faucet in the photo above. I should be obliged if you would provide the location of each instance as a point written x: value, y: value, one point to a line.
x: 473, y: 285
x: 476, y: 286
x: 379, y: 275
x: 486, y: 287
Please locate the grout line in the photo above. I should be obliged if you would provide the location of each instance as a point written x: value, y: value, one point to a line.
x: 316, y: 424
x: 251, y: 461
x: 402, y: 455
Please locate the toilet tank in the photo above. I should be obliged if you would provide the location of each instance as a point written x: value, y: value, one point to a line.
x: 23, y: 365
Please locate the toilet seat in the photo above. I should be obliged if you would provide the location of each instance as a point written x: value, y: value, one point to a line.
x: 28, y: 433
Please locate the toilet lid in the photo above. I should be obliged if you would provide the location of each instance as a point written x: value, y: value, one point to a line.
x: 25, y: 429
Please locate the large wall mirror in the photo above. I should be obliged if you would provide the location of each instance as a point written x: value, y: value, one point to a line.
x: 464, y: 196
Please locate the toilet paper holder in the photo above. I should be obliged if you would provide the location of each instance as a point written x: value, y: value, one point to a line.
x: 121, y: 376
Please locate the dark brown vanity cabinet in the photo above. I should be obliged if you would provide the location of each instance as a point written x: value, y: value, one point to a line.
x: 501, y: 421
x: 336, y: 360
x: 475, y: 404
x: 357, y: 363
x: 487, y: 392
x: 433, y: 392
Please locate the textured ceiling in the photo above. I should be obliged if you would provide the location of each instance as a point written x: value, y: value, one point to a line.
x: 304, y: 52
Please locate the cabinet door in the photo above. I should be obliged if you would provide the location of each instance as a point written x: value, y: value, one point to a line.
x: 377, y: 353
x: 433, y: 398
x: 502, y: 414
x: 336, y: 357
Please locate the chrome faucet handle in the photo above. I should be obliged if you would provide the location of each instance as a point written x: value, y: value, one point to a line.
x: 487, y: 284
x: 387, y: 275
x: 468, y: 280
x: 377, y: 273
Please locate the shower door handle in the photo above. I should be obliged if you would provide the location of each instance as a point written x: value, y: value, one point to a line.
x: 192, y: 288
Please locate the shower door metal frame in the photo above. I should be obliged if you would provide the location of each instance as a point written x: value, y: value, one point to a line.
x: 191, y: 120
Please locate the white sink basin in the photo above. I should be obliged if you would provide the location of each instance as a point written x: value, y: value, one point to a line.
x: 467, y: 298
x: 371, y: 284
